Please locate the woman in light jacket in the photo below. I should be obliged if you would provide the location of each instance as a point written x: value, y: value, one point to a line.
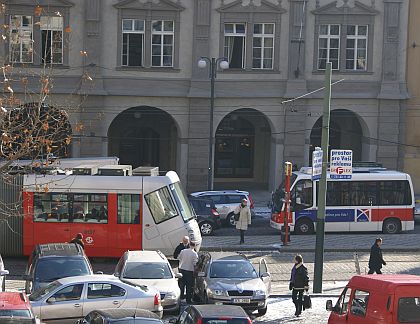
x: 244, y: 219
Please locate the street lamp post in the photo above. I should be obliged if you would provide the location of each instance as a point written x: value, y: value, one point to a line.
x: 202, y: 63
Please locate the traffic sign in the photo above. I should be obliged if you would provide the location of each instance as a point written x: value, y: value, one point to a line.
x: 316, y: 163
x: 341, y: 162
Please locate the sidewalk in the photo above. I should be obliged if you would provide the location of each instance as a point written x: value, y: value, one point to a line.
x: 306, y: 243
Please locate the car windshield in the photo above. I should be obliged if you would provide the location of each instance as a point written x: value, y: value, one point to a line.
x: 52, y: 269
x: 182, y: 201
x: 232, y: 269
x: 15, y: 313
x: 147, y: 270
x: 226, y: 321
x: 40, y: 293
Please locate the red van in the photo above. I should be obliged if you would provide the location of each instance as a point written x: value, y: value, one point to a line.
x: 377, y: 299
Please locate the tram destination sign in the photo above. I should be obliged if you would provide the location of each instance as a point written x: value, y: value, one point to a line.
x: 341, y: 162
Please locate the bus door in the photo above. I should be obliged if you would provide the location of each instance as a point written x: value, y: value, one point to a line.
x: 89, y: 215
x: 51, y: 223
x: 364, y: 201
x: 302, y: 206
x: 128, y: 228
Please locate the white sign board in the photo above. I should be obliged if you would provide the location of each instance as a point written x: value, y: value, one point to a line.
x: 316, y: 163
x: 341, y: 164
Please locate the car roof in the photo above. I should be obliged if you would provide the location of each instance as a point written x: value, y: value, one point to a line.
x: 145, y: 256
x: 227, y: 256
x: 384, y: 282
x: 220, y: 311
x: 13, y: 300
x: 218, y: 192
x: 119, y: 313
x: 87, y: 278
x: 59, y: 249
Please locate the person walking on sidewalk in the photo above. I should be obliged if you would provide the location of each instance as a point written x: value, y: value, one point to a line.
x: 185, y: 244
x: 376, y: 260
x: 299, y: 282
x: 243, y: 219
x: 78, y: 239
x: 187, y: 260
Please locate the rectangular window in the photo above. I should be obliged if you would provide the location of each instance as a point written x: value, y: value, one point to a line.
x: 234, y: 49
x: 161, y: 205
x: 356, y: 47
x: 162, y: 43
x: 359, y: 303
x: 49, y: 207
x: 351, y: 193
x: 21, y: 35
x: 52, y: 39
x: 263, y: 46
x: 90, y: 208
x: 104, y: 290
x: 394, y: 193
x: 329, y: 46
x: 132, y: 42
x: 409, y: 310
x: 302, y: 195
x: 128, y: 209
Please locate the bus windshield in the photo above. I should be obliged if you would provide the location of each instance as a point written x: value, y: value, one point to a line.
x: 182, y: 201
x: 278, y: 195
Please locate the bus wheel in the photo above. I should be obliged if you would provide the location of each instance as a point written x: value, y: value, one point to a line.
x: 304, y: 226
x: 391, y: 226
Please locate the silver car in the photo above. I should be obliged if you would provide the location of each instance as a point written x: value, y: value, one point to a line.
x: 3, y: 274
x: 231, y: 279
x: 151, y: 268
x: 70, y: 299
x: 226, y: 201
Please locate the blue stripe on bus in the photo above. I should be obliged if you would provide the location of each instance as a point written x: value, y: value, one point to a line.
x: 332, y: 215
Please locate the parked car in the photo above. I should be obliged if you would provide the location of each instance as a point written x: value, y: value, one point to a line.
x: 208, y: 217
x: 226, y: 201
x: 232, y: 280
x: 151, y: 268
x: 70, y: 299
x: 213, y: 314
x: 121, y: 316
x: 3, y: 274
x: 16, y: 308
x: 49, y: 262
x: 383, y: 299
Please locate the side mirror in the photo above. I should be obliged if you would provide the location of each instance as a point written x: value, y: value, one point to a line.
x: 329, y: 305
x: 201, y: 274
x: 4, y: 272
x: 173, y: 320
x: 178, y: 275
x: 27, y: 277
x: 99, y: 272
x: 265, y: 275
x: 51, y: 300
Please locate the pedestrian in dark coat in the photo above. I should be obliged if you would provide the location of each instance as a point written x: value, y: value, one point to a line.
x: 185, y: 244
x: 376, y: 260
x: 299, y: 282
x: 78, y: 239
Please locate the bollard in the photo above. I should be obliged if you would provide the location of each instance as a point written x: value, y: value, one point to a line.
x: 356, y: 262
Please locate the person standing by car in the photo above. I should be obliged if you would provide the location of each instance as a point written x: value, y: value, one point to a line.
x: 185, y: 244
x: 187, y: 260
x: 242, y: 219
x: 376, y: 260
x: 78, y: 239
x: 299, y: 281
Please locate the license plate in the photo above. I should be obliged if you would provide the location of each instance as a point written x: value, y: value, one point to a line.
x: 242, y: 300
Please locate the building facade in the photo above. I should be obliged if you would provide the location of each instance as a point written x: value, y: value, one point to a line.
x: 148, y: 101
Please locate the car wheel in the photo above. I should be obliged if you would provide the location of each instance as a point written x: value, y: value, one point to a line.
x: 206, y: 228
x: 262, y: 311
x: 304, y: 226
x: 391, y: 226
x: 230, y: 220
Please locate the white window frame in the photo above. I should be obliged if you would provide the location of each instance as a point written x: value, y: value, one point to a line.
x: 53, y: 29
x: 235, y: 34
x: 356, y: 48
x: 162, y: 33
x: 263, y: 37
x: 20, y: 30
x: 329, y: 37
x: 132, y: 31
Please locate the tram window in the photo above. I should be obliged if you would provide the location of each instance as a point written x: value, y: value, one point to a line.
x: 128, y: 209
x: 90, y: 208
x: 161, y: 205
x: 51, y: 207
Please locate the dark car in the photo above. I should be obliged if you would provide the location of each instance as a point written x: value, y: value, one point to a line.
x: 16, y: 308
x: 120, y: 316
x: 49, y: 262
x: 208, y: 218
x: 220, y: 314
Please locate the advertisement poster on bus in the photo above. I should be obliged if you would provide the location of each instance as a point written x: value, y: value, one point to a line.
x: 341, y: 164
x: 316, y: 163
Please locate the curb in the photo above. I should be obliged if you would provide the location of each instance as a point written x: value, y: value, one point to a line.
x: 274, y: 248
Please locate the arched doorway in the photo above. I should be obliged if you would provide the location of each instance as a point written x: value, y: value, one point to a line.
x: 345, y: 133
x: 242, y: 147
x: 144, y: 136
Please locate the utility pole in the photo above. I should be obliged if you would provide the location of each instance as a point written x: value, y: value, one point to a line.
x: 320, y: 224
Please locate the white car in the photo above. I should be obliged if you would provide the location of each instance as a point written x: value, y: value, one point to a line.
x: 70, y: 299
x: 151, y: 268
